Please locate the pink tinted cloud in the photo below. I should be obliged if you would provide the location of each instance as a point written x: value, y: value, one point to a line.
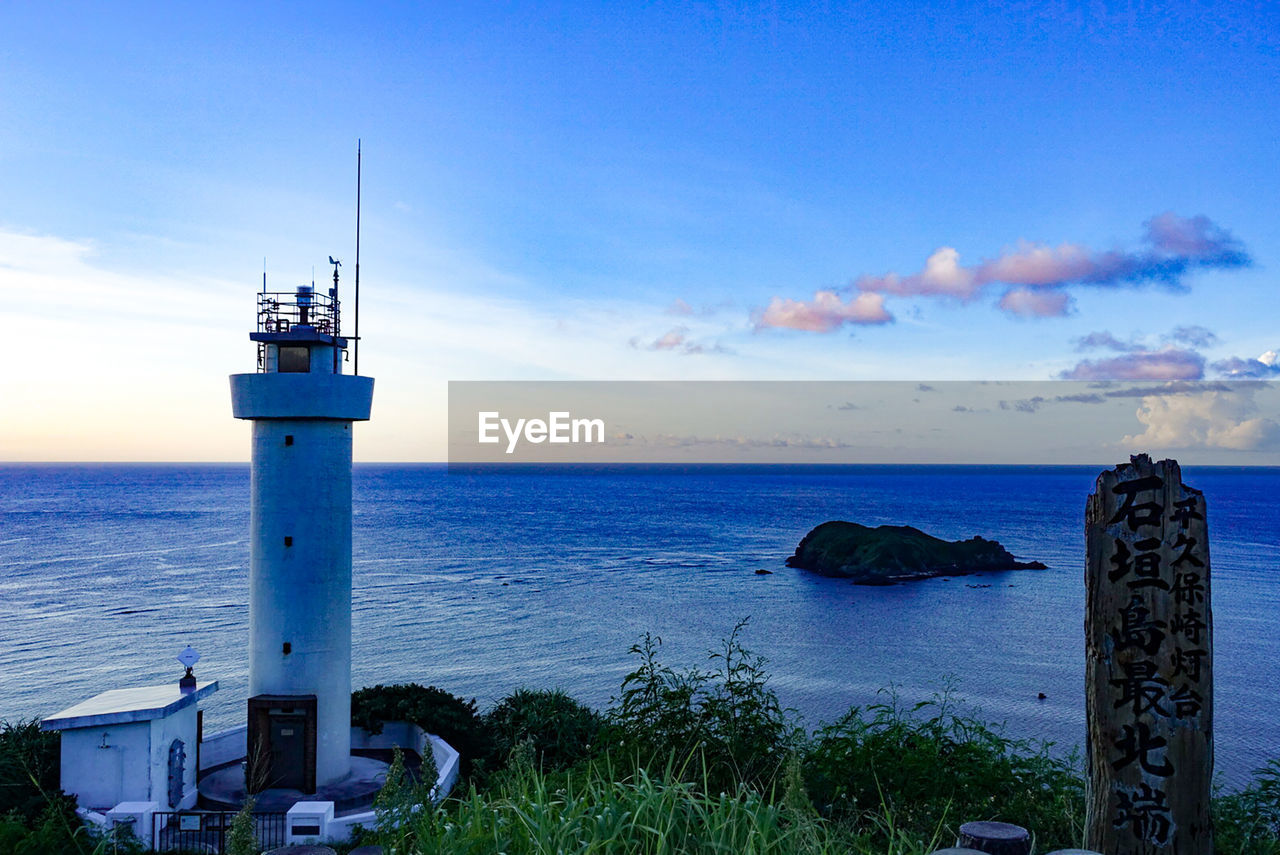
x: 1172, y: 246
x: 670, y: 340
x: 1170, y: 363
x: 676, y: 340
x: 942, y: 275
x: 1035, y: 277
x: 1035, y: 302
x: 826, y: 312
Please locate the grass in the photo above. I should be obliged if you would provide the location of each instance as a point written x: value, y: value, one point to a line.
x: 701, y: 760
x: 706, y: 760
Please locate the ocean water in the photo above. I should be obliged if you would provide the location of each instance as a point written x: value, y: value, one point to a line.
x: 482, y: 582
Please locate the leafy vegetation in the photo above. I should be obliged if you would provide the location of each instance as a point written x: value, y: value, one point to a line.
x: 598, y: 812
x: 28, y: 768
x: 931, y: 767
x: 700, y: 760
x: 1248, y: 822
x: 559, y: 730
x: 455, y: 720
x: 723, y: 725
x: 707, y: 760
x: 242, y: 837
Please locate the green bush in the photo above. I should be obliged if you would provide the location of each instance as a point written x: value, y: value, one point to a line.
x: 931, y: 769
x: 723, y: 725
x: 1248, y: 822
x: 56, y: 830
x: 560, y: 730
x: 28, y: 768
x: 448, y: 716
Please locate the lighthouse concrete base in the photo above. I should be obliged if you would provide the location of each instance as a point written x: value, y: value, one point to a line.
x: 223, y: 788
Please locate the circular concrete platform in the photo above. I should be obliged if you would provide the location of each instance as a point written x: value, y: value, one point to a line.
x: 223, y: 789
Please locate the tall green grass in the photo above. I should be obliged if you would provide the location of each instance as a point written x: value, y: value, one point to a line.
x: 707, y: 760
x: 593, y: 809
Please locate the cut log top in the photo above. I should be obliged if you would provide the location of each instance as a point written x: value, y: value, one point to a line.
x: 995, y: 838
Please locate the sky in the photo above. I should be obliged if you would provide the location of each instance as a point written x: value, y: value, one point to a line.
x: 659, y: 191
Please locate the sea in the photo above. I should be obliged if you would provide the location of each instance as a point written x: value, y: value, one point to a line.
x: 485, y: 581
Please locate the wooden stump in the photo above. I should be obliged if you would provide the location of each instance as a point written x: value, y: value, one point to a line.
x: 995, y: 838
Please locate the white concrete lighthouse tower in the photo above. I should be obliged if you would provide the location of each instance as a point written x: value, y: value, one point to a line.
x: 302, y: 407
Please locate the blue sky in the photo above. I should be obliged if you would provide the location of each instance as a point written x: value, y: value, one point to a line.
x: 625, y: 191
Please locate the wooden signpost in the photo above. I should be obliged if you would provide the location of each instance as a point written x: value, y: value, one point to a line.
x: 1149, y: 661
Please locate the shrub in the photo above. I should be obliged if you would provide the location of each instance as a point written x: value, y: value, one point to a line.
x: 28, y: 768
x: 560, y: 730
x: 242, y: 837
x: 724, y: 725
x: 448, y: 716
x: 56, y: 830
x: 929, y: 768
x: 1248, y: 822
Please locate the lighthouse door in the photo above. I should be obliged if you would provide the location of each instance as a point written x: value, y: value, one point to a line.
x: 282, y: 742
x: 288, y: 751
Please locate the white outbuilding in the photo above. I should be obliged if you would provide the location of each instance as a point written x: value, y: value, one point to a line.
x: 132, y: 745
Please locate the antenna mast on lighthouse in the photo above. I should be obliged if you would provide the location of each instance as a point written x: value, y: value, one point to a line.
x: 356, y: 337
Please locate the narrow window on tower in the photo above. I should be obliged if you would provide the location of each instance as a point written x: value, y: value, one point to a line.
x: 288, y: 439
x: 294, y: 359
x: 288, y: 648
x: 288, y: 541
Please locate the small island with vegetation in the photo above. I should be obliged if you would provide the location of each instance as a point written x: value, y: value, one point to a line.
x: 888, y: 554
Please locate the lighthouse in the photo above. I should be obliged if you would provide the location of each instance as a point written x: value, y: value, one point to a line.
x: 302, y: 407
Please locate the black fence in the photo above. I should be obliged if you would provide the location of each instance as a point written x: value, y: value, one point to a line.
x: 206, y: 831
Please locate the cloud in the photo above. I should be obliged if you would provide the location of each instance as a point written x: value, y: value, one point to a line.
x: 1265, y: 366
x: 1173, y: 387
x: 1103, y: 340
x: 1193, y: 336
x: 1213, y: 419
x: 1168, y: 363
x: 1029, y: 303
x: 676, y: 340
x: 942, y: 275
x: 1035, y: 277
x: 664, y: 440
x: 680, y: 308
x: 1175, y: 359
x: 1026, y: 405
x: 1190, y: 336
x: 826, y: 312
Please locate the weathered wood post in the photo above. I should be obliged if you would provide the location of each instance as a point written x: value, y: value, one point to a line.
x: 1149, y: 663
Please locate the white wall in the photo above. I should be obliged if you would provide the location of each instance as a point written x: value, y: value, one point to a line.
x: 229, y: 746
x: 102, y: 777
x: 103, y: 766
x: 180, y: 725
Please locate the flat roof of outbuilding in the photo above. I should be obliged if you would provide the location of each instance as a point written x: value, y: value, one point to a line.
x: 122, y: 706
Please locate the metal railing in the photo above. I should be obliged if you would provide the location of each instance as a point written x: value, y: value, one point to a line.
x: 207, y: 830
x: 281, y: 311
